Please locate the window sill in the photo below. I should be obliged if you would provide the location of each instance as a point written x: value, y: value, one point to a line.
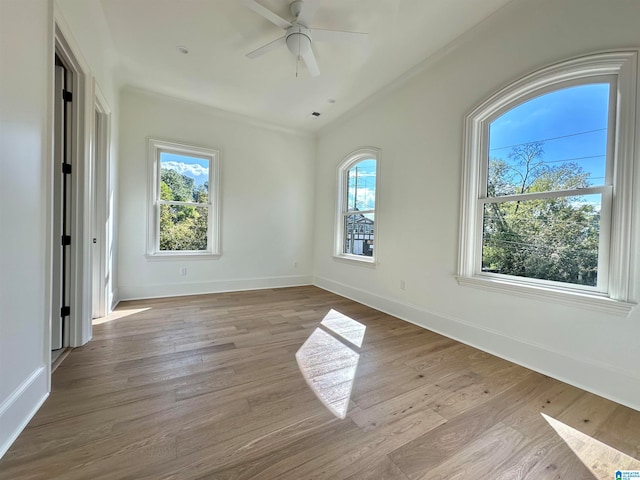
x: 575, y: 299
x: 154, y: 257
x: 356, y: 260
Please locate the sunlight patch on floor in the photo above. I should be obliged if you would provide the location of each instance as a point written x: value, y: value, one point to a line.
x: 601, y: 459
x: 345, y: 327
x: 328, y: 365
x: 117, y: 315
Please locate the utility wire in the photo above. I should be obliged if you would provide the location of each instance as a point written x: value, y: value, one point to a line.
x: 549, y: 139
x: 573, y: 159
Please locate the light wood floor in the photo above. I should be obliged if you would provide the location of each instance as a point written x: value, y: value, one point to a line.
x: 210, y: 387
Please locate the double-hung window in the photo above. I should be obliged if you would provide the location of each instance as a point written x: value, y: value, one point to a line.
x: 184, y: 200
x: 357, y: 195
x: 547, y: 185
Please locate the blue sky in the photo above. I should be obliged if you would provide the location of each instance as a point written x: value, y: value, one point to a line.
x: 366, y: 170
x: 196, y: 168
x: 577, y: 114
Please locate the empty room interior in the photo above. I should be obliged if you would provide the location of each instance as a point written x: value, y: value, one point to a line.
x: 320, y: 239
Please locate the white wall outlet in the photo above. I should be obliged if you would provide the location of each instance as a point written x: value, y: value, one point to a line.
x: 183, y: 271
x: 403, y: 285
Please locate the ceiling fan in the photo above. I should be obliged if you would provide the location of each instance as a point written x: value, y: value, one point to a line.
x: 298, y: 37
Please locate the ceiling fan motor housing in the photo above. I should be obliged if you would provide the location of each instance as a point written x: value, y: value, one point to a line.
x: 298, y: 40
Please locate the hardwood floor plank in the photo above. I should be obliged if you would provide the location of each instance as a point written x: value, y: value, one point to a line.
x: 479, y: 458
x: 345, y: 457
x: 588, y: 413
x: 614, y: 431
x: 426, y: 453
x: 395, y: 408
x: 269, y: 464
x: 380, y: 468
x: 230, y: 456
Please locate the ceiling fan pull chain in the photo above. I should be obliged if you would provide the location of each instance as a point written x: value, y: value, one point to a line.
x: 299, y: 57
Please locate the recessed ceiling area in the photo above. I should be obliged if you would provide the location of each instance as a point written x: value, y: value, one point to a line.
x: 196, y: 50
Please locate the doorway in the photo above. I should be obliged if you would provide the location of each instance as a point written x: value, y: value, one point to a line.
x: 100, y: 218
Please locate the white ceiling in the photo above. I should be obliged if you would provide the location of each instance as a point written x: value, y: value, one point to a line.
x: 219, y: 33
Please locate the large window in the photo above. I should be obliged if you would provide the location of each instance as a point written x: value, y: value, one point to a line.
x: 547, y: 180
x: 546, y: 205
x: 356, y: 222
x: 183, y: 215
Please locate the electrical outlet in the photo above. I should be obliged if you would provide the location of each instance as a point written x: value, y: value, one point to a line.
x: 183, y: 271
x: 403, y: 285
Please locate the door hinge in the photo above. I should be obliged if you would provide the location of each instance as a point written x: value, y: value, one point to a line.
x: 66, y: 168
x: 66, y: 240
x: 67, y: 96
x: 65, y: 311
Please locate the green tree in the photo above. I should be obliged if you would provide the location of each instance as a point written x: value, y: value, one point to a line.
x: 550, y: 238
x: 182, y: 227
x: 181, y: 186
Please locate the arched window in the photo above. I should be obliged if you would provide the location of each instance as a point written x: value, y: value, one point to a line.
x: 357, y: 197
x: 547, y: 184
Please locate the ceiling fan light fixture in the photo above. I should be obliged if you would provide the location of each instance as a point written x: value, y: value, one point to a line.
x: 298, y: 40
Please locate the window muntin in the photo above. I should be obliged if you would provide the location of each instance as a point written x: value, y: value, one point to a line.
x: 619, y: 70
x: 551, y: 147
x: 184, y: 205
x: 356, y: 230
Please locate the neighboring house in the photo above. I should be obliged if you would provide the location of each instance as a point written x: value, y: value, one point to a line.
x: 360, y: 236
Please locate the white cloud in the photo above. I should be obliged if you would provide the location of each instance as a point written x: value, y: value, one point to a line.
x: 190, y: 169
x: 366, y: 198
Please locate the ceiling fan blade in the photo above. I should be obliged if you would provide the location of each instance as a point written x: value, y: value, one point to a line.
x: 320, y: 35
x: 310, y: 61
x: 308, y: 11
x: 268, y: 14
x: 266, y: 48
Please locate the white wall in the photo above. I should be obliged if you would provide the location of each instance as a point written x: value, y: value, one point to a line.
x: 419, y: 127
x: 89, y: 29
x: 267, y: 200
x: 26, y: 89
x: 24, y: 83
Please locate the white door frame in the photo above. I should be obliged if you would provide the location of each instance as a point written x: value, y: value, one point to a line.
x: 83, y: 108
x: 101, y: 166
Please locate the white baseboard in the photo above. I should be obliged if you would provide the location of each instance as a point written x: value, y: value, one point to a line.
x: 20, y: 407
x: 137, y: 292
x: 596, y: 377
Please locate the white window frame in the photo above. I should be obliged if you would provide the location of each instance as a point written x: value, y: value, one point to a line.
x: 342, y: 209
x: 155, y: 148
x: 612, y: 294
